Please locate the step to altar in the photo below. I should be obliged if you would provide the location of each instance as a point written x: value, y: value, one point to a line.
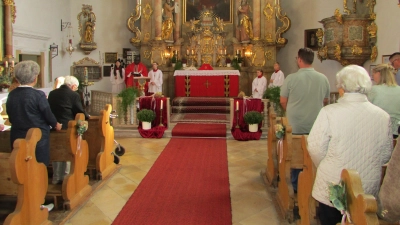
x: 215, y: 105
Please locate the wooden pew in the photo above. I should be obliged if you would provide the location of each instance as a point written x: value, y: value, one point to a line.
x: 307, y: 204
x: 22, y: 175
x: 105, y: 159
x: 271, y: 172
x: 292, y: 158
x: 75, y: 186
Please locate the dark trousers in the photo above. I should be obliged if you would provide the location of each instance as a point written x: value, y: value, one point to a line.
x: 328, y: 215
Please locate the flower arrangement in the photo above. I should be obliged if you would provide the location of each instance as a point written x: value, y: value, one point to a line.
x: 279, y: 131
x: 337, y: 195
x: 81, y: 127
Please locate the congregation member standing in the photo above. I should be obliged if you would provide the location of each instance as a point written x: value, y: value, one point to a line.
x: 28, y: 108
x: 259, y: 85
x: 303, y: 94
x: 395, y: 62
x: 156, y: 79
x: 351, y: 134
x: 117, y: 77
x: 277, y: 77
x: 386, y: 94
x: 65, y: 103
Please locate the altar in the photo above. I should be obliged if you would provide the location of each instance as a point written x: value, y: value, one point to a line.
x: 206, y: 83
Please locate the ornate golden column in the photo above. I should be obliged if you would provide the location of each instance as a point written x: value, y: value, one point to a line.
x: 256, y: 19
x: 8, y: 20
x: 158, y: 4
x: 178, y: 18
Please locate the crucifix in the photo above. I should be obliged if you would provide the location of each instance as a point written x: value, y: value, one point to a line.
x: 206, y: 83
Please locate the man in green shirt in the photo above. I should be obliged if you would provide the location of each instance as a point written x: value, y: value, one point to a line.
x: 303, y: 94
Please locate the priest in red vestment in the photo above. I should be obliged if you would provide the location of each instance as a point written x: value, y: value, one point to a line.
x: 137, y: 68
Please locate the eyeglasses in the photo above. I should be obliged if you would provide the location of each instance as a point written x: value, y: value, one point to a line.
x: 394, y: 60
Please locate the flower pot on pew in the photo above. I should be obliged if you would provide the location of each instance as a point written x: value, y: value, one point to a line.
x: 253, y: 118
x: 146, y: 116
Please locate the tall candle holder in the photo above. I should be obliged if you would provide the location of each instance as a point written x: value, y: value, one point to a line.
x: 237, y: 118
x: 161, y: 124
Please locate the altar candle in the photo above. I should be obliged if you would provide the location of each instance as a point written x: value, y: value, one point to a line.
x: 187, y: 52
x: 237, y: 51
x: 237, y: 105
x: 225, y: 51
x: 220, y: 51
x: 192, y: 52
x: 12, y: 63
x: 161, y: 107
x: 6, y: 64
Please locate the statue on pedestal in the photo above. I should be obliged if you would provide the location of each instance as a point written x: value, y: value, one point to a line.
x: 168, y: 23
x: 245, y: 25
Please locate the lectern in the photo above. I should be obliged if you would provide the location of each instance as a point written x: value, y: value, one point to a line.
x: 141, y: 81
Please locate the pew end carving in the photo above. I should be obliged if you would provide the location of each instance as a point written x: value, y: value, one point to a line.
x: 105, y: 159
x: 31, y: 179
x: 271, y: 172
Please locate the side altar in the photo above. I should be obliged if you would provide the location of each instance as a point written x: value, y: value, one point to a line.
x: 206, y: 83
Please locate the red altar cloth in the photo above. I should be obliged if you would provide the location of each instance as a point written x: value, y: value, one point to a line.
x: 242, y: 133
x: 154, y: 104
x: 210, y: 83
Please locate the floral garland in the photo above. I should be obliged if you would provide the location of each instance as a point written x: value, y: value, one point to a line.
x: 279, y: 133
x: 81, y: 128
x: 337, y: 195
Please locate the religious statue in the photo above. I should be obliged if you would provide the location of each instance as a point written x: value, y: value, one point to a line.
x: 89, y: 31
x: 168, y: 23
x: 193, y: 24
x: 245, y: 25
x: 220, y: 23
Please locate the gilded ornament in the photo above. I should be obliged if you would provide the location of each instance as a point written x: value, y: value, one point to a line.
x: 8, y: 2
x: 138, y: 34
x: 146, y: 37
x: 268, y: 37
x: 338, y: 16
x: 133, y: 18
x: 13, y: 13
x: 147, y: 11
x: 86, y: 59
x: 338, y: 52
x: 220, y: 24
x: 268, y: 55
x: 372, y: 29
x: 147, y: 54
x: 167, y: 29
x: 320, y: 35
x: 374, y: 53
x: 285, y: 25
x: 371, y: 4
x: 323, y: 53
x: 344, y: 62
x: 86, y: 28
x: 270, y: 9
x: 355, y: 50
x: 346, y: 10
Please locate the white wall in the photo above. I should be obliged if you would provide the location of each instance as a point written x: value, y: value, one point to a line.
x: 305, y: 14
x: 38, y: 24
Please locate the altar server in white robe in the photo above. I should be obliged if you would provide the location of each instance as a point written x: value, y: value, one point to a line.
x: 259, y: 85
x: 277, y: 77
x: 156, y: 79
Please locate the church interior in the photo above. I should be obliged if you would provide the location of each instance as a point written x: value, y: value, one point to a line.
x: 236, y: 38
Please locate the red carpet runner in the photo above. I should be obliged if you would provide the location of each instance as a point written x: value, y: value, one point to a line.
x: 199, y: 130
x: 188, y: 184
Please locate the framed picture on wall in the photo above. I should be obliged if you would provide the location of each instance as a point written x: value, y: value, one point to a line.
x: 310, y: 39
x: 385, y: 59
x: 192, y: 9
x: 124, y: 52
x: 110, y: 57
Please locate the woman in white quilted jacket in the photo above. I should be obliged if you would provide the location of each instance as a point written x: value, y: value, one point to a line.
x: 351, y: 134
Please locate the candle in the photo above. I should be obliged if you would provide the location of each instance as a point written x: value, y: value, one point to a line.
x: 192, y: 52
x: 225, y: 51
x: 161, y: 104
x: 237, y: 51
x: 220, y: 51
x: 6, y: 64
x: 187, y: 52
x: 12, y: 63
x: 237, y: 105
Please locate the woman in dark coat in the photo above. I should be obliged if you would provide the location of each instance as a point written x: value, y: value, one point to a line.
x: 28, y: 108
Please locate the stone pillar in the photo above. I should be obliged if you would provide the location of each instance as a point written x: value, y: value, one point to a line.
x: 178, y: 18
x: 157, y: 18
x: 256, y: 19
x: 8, y: 4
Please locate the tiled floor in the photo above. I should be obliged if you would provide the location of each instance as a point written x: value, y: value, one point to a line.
x: 251, y: 204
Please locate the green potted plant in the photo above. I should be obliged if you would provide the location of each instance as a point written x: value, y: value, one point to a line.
x: 273, y: 93
x: 5, y: 82
x: 127, y: 96
x: 235, y: 64
x: 178, y: 65
x: 146, y: 116
x: 174, y: 60
x: 240, y: 61
x: 253, y: 118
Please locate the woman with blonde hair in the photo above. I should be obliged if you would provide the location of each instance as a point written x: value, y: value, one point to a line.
x: 386, y: 94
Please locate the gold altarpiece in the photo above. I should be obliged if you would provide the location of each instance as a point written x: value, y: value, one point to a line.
x: 209, y: 38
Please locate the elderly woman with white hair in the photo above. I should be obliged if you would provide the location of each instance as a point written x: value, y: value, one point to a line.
x: 28, y: 108
x: 352, y: 134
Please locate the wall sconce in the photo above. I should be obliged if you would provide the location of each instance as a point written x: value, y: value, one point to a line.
x: 69, y: 47
x: 54, y: 50
x: 248, y: 54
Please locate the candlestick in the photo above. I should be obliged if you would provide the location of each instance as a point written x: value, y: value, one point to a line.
x: 86, y: 75
x: 237, y: 119
x: 161, y: 124
x: 161, y: 104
